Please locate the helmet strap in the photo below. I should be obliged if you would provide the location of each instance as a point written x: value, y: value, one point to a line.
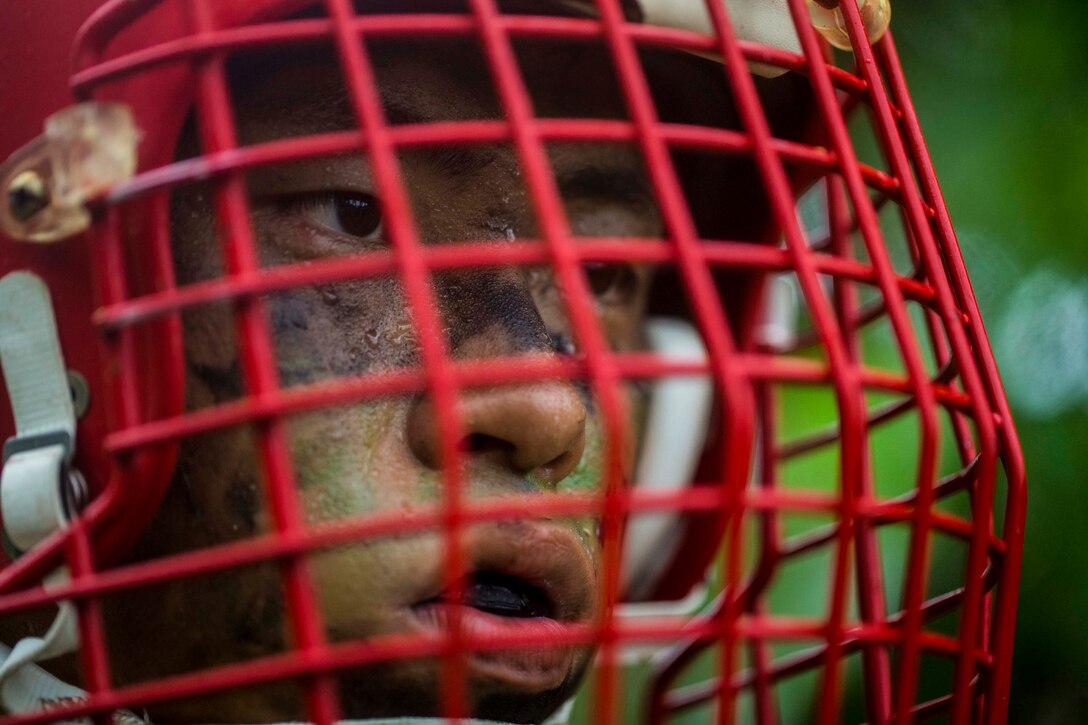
x: 34, y: 483
x: 672, y: 444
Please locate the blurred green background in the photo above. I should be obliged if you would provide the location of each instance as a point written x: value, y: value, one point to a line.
x: 1002, y: 91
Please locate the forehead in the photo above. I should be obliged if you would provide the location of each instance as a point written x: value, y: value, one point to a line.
x: 442, y: 79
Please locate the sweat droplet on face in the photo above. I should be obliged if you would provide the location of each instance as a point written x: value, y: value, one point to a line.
x: 401, y: 334
x: 503, y: 227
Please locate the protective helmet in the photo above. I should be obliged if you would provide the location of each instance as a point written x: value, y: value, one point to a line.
x: 587, y: 314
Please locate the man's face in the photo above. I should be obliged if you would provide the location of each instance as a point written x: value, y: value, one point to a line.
x: 528, y: 440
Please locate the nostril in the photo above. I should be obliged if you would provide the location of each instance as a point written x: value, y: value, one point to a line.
x: 564, y: 464
x: 537, y: 428
x: 482, y: 444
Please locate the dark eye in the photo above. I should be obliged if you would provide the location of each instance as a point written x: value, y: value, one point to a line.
x: 359, y: 215
x: 611, y: 283
x: 346, y: 212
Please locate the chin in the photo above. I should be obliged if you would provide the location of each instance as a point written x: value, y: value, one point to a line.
x: 413, y: 689
x: 527, y: 587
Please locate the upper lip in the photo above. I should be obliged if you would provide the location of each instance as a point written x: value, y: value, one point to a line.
x: 542, y: 554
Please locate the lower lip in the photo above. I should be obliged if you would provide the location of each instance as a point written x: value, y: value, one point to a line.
x: 531, y: 667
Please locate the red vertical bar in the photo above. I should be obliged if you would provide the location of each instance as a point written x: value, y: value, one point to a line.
x: 414, y: 274
x: 845, y: 376
x: 604, y: 378
x: 965, y: 445
x: 871, y: 604
x: 1016, y: 510
x: 763, y: 685
x: 119, y: 350
x: 259, y: 367
x: 93, y: 653
x: 966, y: 666
x: 901, y: 326
x: 120, y: 357
x: 737, y: 433
x: 739, y: 404
x: 161, y: 265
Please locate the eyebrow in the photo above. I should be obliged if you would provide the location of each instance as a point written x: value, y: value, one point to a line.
x: 620, y: 184
x: 624, y: 184
x: 456, y: 161
x: 302, y: 117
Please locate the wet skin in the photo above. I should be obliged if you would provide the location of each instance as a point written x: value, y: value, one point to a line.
x: 527, y: 440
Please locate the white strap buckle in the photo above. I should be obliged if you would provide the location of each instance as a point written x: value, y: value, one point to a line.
x: 37, y: 485
x: 37, y: 490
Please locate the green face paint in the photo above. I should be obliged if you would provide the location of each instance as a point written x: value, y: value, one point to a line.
x: 334, y: 490
x: 588, y: 475
x: 335, y: 459
x: 428, y: 487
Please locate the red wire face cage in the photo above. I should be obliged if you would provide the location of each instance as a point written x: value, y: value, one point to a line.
x: 595, y: 324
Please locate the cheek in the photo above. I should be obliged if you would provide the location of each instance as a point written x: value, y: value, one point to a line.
x: 210, y: 342
x: 351, y: 463
x: 588, y: 475
x: 341, y: 330
x: 359, y: 585
x: 624, y: 323
x: 356, y: 461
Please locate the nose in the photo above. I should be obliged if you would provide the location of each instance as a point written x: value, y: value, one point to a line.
x: 536, y: 429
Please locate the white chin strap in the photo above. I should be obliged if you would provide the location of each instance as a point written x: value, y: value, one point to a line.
x: 672, y: 443
x: 36, y: 460
x: 34, y: 494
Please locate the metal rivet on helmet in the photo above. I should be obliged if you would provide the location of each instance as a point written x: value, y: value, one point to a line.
x: 27, y: 195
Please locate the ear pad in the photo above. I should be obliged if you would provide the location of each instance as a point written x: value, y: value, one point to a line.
x: 672, y: 444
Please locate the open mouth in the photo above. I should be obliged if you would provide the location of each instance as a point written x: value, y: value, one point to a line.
x: 526, y: 584
x: 493, y: 605
x: 497, y: 594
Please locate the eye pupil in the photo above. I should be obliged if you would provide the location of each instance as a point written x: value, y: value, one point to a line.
x: 610, y: 279
x: 359, y: 215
